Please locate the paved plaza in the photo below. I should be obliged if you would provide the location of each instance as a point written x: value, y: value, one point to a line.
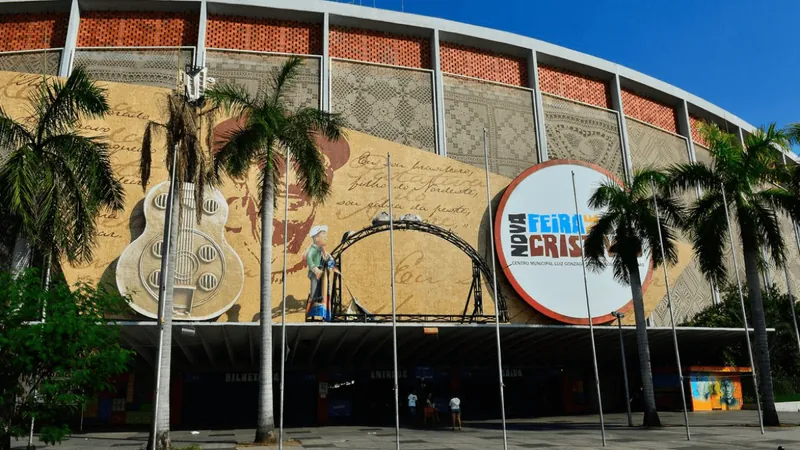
x: 711, y: 430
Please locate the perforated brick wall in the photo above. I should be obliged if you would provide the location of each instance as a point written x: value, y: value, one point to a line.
x: 263, y: 35
x: 486, y: 65
x: 695, y: 122
x: 649, y: 110
x: 32, y: 31
x: 567, y: 84
x: 137, y: 29
x: 379, y: 47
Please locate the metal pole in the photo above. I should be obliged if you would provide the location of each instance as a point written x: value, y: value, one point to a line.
x: 744, y: 313
x: 162, y: 292
x: 494, y: 289
x: 671, y: 314
x: 394, y: 307
x: 789, y: 286
x: 619, y: 317
x: 283, y: 294
x: 589, y: 312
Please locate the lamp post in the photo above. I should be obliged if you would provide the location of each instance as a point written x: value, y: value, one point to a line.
x: 619, y: 316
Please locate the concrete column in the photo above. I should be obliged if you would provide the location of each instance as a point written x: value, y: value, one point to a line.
x: 616, y: 104
x: 71, y: 41
x: 438, y: 93
x: 538, y: 109
x: 325, y: 76
x: 200, y: 52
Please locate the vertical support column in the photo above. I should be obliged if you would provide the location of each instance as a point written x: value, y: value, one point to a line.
x: 65, y: 67
x: 438, y: 93
x: 685, y: 130
x: 324, y: 91
x: 538, y: 109
x: 616, y: 103
x: 200, y: 52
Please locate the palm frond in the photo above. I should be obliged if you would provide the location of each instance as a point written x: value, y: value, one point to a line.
x: 232, y: 98
x: 709, y: 234
x: 282, y: 80
x: 12, y: 133
x: 58, y: 106
x: 683, y: 177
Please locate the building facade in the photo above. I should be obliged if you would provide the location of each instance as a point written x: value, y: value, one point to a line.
x: 422, y: 89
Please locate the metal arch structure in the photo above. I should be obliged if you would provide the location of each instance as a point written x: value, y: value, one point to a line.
x: 479, y: 268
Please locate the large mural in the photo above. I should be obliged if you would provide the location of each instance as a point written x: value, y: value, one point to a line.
x: 432, y: 276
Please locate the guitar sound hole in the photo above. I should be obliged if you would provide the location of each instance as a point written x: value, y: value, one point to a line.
x: 161, y: 201
x: 207, y: 253
x: 210, y: 206
x: 208, y: 281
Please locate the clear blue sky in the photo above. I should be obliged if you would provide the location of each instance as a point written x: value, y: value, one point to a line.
x: 742, y: 55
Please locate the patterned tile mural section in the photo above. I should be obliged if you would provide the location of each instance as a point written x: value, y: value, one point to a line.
x: 254, y: 72
x: 263, y: 35
x: 148, y: 67
x: 31, y: 62
x: 137, y: 29
x: 32, y: 31
x: 507, y: 112
x: 649, y: 111
x: 483, y: 64
x: 691, y: 292
x: 379, y: 47
x: 576, y: 131
x: 567, y: 84
x: 792, y: 260
x: 386, y: 102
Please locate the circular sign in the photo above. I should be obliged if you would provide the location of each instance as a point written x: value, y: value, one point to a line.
x: 538, y: 238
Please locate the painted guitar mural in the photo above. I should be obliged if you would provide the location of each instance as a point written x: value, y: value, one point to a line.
x: 209, y: 275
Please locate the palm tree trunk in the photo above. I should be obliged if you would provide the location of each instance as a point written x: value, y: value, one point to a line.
x: 265, y: 431
x: 21, y: 255
x: 162, y: 437
x: 651, y: 418
x: 760, y: 328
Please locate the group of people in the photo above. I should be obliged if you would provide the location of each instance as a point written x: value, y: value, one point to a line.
x: 429, y: 411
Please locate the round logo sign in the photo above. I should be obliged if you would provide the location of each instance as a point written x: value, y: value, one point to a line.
x: 538, y: 239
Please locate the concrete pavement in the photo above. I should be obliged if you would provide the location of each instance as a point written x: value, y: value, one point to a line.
x: 712, y: 430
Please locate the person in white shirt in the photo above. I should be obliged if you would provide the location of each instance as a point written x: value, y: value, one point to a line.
x: 412, y: 405
x: 455, y: 410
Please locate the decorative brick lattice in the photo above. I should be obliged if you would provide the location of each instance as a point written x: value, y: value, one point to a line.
x: 263, y: 35
x: 254, y: 72
x: 567, y: 84
x: 576, y: 131
x: 32, y: 31
x: 44, y: 62
x: 691, y: 292
x: 137, y: 29
x: 486, y: 65
x: 379, y: 47
x: 649, y: 110
x: 696, y: 137
x: 507, y: 112
x: 147, y: 66
x: 386, y: 102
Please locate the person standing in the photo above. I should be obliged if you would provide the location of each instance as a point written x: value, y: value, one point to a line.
x: 455, y: 411
x: 412, y: 406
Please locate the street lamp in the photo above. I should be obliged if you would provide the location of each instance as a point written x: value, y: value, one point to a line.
x: 619, y: 316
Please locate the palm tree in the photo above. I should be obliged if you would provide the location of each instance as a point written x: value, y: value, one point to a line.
x: 626, y: 229
x: 269, y: 126
x: 187, y: 132
x: 55, y: 181
x: 745, y: 174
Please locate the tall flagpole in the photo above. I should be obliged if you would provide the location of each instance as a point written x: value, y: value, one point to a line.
x: 589, y: 312
x: 162, y: 290
x: 283, y: 295
x: 671, y: 314
x: 494, y: 288
x: 744, y: 313
x: 394, y: 307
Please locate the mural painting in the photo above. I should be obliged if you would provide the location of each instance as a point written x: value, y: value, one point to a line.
x: 717, y: 388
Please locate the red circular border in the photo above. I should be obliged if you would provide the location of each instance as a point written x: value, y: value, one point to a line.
x: 501, y: 257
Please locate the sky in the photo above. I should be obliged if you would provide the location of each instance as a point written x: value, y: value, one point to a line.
x: 741, y: 55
